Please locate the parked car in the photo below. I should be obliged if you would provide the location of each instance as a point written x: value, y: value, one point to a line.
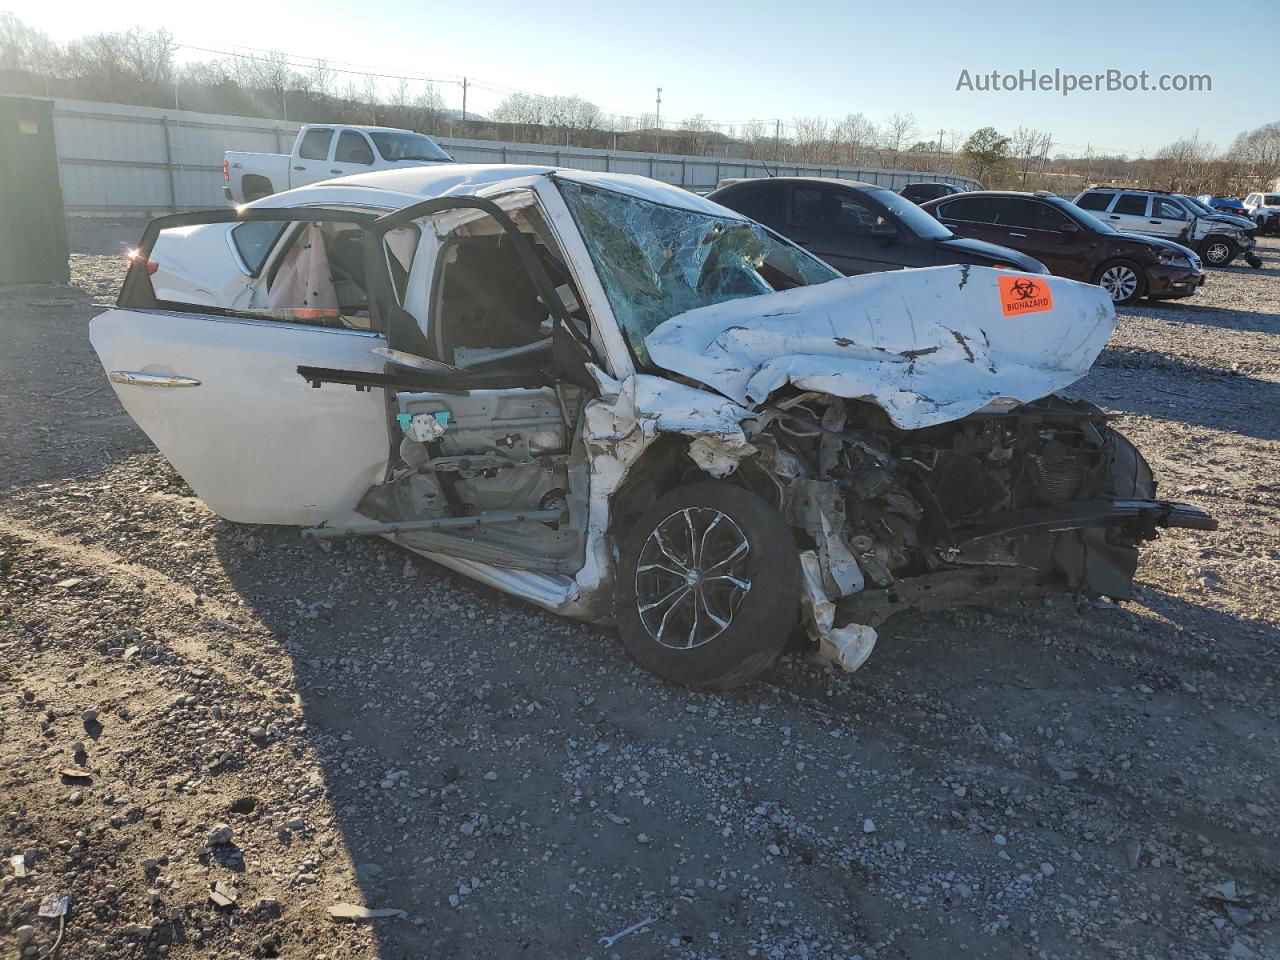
x: 1228, y: 205
x: 1264, y: 210
x: 1167, y: 215
x: 623, y: 402
x: 1209, y: 213
x: 860, y: 227
x: 322, y: 151
x: 920, y: 192
x: 1073, y: 243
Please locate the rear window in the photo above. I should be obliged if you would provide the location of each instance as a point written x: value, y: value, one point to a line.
x: 973, y: 209
x: 254, y: 240
x: 1273, y: 200
x: 1095, y: 200
x: 315, y: 144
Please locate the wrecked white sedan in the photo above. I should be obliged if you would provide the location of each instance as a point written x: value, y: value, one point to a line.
x: 623, y: 402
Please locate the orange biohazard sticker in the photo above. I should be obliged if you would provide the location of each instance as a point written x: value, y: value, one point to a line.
x: 1023, y: 294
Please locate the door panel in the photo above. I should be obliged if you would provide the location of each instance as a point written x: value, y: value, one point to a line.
x: 1167, y: 219
x: 214, y: 382
x: 252, y: 438
x: 1130, y: 212
x: 311, y: 163
x: 352, y: 153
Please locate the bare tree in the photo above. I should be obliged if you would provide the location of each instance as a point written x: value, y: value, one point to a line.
x: 898, y: 132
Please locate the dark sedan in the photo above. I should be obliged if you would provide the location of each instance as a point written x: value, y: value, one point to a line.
x: 1074, y: 243
x: 922, y: 192
x: 859, y: 227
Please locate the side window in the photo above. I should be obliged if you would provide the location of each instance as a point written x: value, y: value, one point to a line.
x: 1049, y: 217
x: 1016, y: 212
x: 253, y: 241
x: 353, y: 148
x: 763, y: 203
x: 315, y: 144
x: 857, y: 218
x: 1132, y: 204
x: 1167, y: 209
x: 814, y: 208
x: 1095, y: 200
x: 304, y: 272
x: 485, y: 304
x: 971, y: 209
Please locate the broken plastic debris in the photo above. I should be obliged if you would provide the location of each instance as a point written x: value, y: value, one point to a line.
x: 75, y: 773
x: 353, y: 911
x: 609, y: 941
x: 55, y: 905
x: 19, y: 864
x: 224, y: 895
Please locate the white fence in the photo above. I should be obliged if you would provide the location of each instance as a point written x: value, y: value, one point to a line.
x: 123, y: 160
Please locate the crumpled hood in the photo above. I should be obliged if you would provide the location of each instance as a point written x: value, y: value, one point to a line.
x: 928, y: 346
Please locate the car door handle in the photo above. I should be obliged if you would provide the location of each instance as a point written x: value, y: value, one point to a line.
x: 1113, y: 217
x: 335, y: 171
x: 1155, y: 221
x: 1022, y: 235
x: 136, y: 379
x: 299, y: 167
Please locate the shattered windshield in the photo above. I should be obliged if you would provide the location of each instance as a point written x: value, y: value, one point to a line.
x: 656, y: 261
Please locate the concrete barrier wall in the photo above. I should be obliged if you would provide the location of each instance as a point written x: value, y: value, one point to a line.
x: 121, y: 160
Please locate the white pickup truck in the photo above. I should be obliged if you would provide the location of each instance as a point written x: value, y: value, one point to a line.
x: 321, y: 152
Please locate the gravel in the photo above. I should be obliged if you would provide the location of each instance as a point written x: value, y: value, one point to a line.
x: 371, y: 730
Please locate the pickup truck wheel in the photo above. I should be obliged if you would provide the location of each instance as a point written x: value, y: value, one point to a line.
x: 255, y: 188
x: 708, y: 586
x: 1218, y: 251
x: 1123, y: 279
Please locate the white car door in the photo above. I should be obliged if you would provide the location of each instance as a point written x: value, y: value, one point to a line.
x: 216, y: 385
x: 1130, y: 213
x: 1168, y: 219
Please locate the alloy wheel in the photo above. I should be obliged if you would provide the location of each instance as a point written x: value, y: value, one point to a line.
x: 1217, y: 253
x: 1119, y: 281
x: 691, y: 577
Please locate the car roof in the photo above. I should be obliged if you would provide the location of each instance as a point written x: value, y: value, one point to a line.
x: 398, y: 188
x: 832, y: 181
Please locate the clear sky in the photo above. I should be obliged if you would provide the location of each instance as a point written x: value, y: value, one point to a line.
x: 735, y: 62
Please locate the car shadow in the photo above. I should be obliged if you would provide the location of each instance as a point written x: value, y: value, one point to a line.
x: 1140, y: 381
x: 1203, y: 314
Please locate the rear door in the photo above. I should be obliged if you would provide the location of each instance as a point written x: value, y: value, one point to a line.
x: 1038, y: 229
x: 213, y: 379
x: 310, y: 162
x: 975, y: 217
x: 1130, y: 212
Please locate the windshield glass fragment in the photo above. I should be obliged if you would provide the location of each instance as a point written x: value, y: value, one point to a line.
x: 657, y: 261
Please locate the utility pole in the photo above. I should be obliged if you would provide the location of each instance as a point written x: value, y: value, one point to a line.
x: 464, y: 106
x: 939, y: 164
x: 777, y: 140
x: 657, y: 120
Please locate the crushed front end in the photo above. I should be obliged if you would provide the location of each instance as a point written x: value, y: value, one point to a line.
x: 1043, y: 496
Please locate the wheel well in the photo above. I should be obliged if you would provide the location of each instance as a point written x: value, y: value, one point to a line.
x: 252, y: 183
x: 666, y: 465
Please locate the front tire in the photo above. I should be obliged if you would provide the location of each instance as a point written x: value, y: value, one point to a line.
x: 708, y: 586
x: 1123, y: 279
x: 1218, y: 251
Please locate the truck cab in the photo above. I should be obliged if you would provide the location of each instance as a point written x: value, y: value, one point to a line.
x: 323, y: 151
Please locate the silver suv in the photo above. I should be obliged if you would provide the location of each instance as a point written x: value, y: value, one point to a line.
x: 1155, y: 213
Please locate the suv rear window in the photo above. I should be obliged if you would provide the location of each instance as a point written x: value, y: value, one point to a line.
x: 1095, y: 200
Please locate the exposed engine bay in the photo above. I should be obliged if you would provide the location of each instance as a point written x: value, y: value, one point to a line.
x: 991, y: 490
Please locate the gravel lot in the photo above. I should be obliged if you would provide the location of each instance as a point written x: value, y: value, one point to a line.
x: 303, y: 725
